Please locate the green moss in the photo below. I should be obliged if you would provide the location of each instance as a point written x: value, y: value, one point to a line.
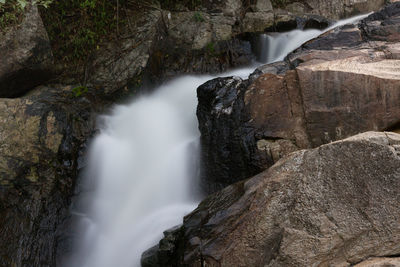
x: 80, y: 90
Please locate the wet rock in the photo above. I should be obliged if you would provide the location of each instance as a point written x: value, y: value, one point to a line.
x: 42, y: 136
x: 336, y: 205
x: 219, y: 115
x: 26, y: 59
x: 335, y: 86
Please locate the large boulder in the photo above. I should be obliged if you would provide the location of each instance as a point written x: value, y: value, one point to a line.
x: 41, y: 139
x: 26, y: 59
x: 340, y: 84
x: 336, y: 205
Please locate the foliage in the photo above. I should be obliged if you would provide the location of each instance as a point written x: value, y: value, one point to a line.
x: 80, y: 90
x: 11, y: 11
x: 280, y: 3
x: 210, y: 49
x: 198, y: 17
x: 76, y: 27
x: 173, y: 4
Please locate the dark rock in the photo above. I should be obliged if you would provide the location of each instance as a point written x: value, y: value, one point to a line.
x: 335, y: 205
x: 383, y: 25
x: 220, y: 120
x: 42, y: 136
x: 26, y: 59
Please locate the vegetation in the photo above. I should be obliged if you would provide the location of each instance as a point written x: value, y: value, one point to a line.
x: 198, y: 17
x: 280, y: 3
x: 80, y: 90
x: 77, y: 28
x: 176, y: 4
x: 11, y: 11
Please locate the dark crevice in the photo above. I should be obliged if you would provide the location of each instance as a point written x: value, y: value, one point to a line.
x: 393, y: 127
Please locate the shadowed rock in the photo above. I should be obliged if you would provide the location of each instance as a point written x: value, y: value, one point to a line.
x: 26, y: 58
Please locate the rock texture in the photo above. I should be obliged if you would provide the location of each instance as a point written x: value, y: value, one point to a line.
x: 26, y: 59
x: 42, y: 136
x: 122, y: 63
x: 202, y: 37
x: 340, y: 84
x: 336, y: 205
x: 380, y: 262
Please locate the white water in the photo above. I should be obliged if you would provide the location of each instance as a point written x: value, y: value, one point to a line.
x: 281, y: 44
x: 142, y: 166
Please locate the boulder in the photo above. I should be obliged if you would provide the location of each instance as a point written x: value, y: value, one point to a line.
x: 42, y: 137
x: 335, y: 205
x: 340, y: 84
x: 26, y: 59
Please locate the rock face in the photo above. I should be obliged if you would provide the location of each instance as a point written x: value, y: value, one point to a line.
x: 340, y: 84
x: 380, y: 262
x: 263, y: 15
x: 202, y: 37
x: 26, y: 59
x: 336, y: 205
x: 40, y: 141
x: 124, y: 61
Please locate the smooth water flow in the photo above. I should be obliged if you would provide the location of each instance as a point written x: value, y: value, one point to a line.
x: 143, y: 166
x: 279, y: 45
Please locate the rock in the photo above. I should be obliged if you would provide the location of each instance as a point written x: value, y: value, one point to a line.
x: 219, y: 115
x: 123, y: 62
x: 336, y: 205
x: 42, y: 136
x: 383, y: 25
x: 340, y: 84
x: 343, y: 8
x: 26, y: 59
x: 258, y: 21
x: 263, y: 6
x: 380, y: 262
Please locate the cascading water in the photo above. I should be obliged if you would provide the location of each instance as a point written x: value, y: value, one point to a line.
x: 142, y: 166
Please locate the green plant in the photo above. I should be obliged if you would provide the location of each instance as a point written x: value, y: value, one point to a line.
x: 211, y: 49
x: 11, y: 11
x: 77, y: 28
x: 80, y: 90
x: 198, y: 17
x: 280, y: 3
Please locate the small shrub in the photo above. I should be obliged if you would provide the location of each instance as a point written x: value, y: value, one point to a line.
x: 11, y: 11
x: 198, y: 17
x: 80, y: 90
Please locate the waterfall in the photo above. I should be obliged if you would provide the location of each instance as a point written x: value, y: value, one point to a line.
x: 142, y: 166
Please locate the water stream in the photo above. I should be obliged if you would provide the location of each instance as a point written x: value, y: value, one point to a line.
x: 142, y: 166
